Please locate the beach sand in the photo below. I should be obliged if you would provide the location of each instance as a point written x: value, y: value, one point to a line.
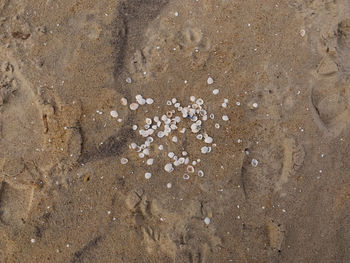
x: 174, y: 131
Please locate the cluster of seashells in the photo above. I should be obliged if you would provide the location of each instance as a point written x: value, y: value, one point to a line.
x: 162, y: 127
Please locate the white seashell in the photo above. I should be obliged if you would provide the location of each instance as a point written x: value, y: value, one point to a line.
x: 124, y: 101
x: 195, y: 128
x: 176, y: 163
x: 190, y: 169
x: 124, y: 160
x: 225, y: 118
x: 215, y: 91
x: 169, y: 167
x: 205, y: 149
x: 140, y: 100
x: 186, y: 176
x: 210, y: 81
x: 114, y: 114
x: 149, y: 101
x: 177, y: 119
x: 160, y: 134
x: 148, y: 175
x: 173, y: 127
x: 208, y: 139
x: 254, y: 162
x: 150, y: 161
x: 134, y: 106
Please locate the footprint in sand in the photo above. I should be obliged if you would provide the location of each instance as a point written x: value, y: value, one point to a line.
x: 330, y: 106
x: 293, y: 159
x: 258, y: 178
x: 343, y: 46
x: 15, y: 203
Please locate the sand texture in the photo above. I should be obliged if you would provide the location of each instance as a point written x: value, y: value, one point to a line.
x: 200, y: 131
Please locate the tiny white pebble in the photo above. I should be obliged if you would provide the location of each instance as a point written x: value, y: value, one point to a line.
x: 128, y: 80
x: 169, y: 185
x: 255, y: 105
x: 254, y: 162
x: 150, y: 161
x: 174, y: 139
x: 207, y: 220
x: 210, y: 80
x: 215, y: 91
x: 160, y: 147
x: 225, y: 118
x: 134, y: 127
x: 32, y: 240
x: 176, y: 13
x: 148, y: 175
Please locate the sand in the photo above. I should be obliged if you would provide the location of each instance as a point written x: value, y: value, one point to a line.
x: 263, y: 176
